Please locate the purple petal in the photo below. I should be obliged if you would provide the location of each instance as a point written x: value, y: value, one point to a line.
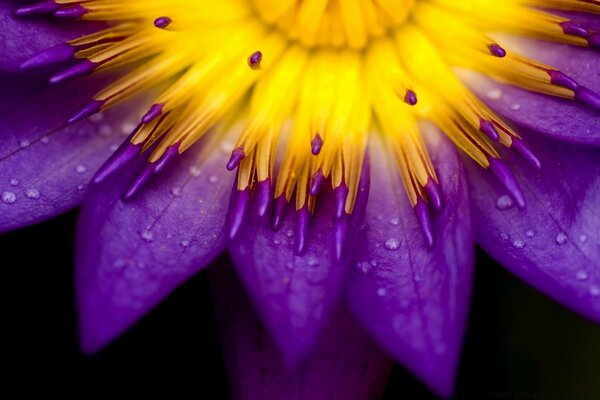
x: 566, y: 120
x: 346, y: 363
x: 295, y: 293
x: 412, y: 298
x: 44, y: 165
x: 130, y: 255
x: 554, y: 244
x: 22, y: 38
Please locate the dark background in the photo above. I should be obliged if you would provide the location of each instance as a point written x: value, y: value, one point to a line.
x: 519, y: 344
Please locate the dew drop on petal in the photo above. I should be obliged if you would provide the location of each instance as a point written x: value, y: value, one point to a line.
x: 289, y: 233
x: 147, y: 236
x: 80, y: 187
x: 14, y: 182
x: 312, y: 261
x: 184, y: 243
x: 9, y: 197
x: 374, y: 263
x: 504, y: 236
x: 276, y: 241
x: 24, y: 143
x: 176, y: 191
x: 530, y: 233
x: 113, y: 147
x: 392, y: 244
x: 32, y: 193
x: 45, y: 140
x: 594, y: 290
x: 381, y: 292
x: 504, y: 203
x: 583, y: 238
x: 394, y: 221
x: 515, y: 107
x: 194, y: 171
x: 363, y: 267
x: 494, y: 94
x: 127, y: 128
x: 581, y: 275
x: 518, y: 244
x: 80, y: 169
x: 213, y: 179
x: 561, y: 238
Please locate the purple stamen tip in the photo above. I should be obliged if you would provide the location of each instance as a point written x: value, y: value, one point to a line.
x: 237, y: 155
x: 410, y: 98
x: 255, y: 59
x: 169, y: 155
x: 341, y: 193
x: 280, y: 204
x: 303, y: 218
x: 508, y: 180
x: 264, y: 196
x: 71, y: 12
x: 560, y: 79
x: 85, y: 67
x: 524, y: 151
x: 571, y: 28
x: 434, y: 193
x: 139, y: 182
x: 125, y: 153
x: 89, y: 109
x: 487, y: 127
x: 162, y: 22
x: 317, y: 182
x: 316, y: 144
x: 588, y: 97
x: 240, y: 205
x: 496, y: 50
x: 59, y: 53
x: 45, y: 7
x: 154, y: 111
x: 424, y: 221
x: 340, y: 231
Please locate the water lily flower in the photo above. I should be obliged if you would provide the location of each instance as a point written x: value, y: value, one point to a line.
x: 347, y: 154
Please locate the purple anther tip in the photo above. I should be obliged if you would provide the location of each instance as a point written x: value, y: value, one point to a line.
x: 255, y: 59
x: 316, y: 183
x: 84, y: 67
x: 59, y: 53
x: 316, y: 144
x: 45, y: 7
x: 571, y: 28
x: 424, y: 221
x: 303, y: 218
x: 154, y: 111
x: 487, y: 127
x: 77, y: 11
x: 340, y: 231
x: 169, y: 155
x: 89, y: 109
x: 496, y: 50
x: 240, y: 205
x: 280, y: 204
x: 524, y: 151
x: 125, y: 153
x: 237, y: 155
x: 560, y: 79
x: 588, y: 97
x: 434, y: 193
x: 264, y: 196
x: 508, y: 180
x: 162, y: 22
x: 341, y: 193
x: 139, y: 181
x: 410, y: 97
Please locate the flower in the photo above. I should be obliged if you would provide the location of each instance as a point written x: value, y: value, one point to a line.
x: 301, y: 91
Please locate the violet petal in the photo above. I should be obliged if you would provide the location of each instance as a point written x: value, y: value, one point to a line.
x: 554, y: 244
x: 412, y: 298
x: 346, y: 363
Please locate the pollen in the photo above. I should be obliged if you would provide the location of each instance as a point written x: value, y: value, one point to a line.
x: 310, y: 83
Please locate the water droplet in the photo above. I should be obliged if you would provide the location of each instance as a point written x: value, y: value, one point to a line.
x: 80, y: 187
x: 504, y: 203
x: 381, y: 292
x: 24, y: 143
x: 32, y: 193
x: 45, y: 140
x: 530, y: 233
x: 594, y: 290
x: 277, y: 241
x: 289, y: 265
x: 194, y: 171
x: 392, y: 244
x: 127, y: 128
x: 561, y: 238
x: 581, y: 275
x: 494, y: 94
x: 583, y: 238
x: 147, y: 236
x: 289, y: 233
x: 184, y: 243
x: 213, y: 179
x: 96, y: 118
x: 518, y: 244
x: 515, y: 107
x: 113, y: 147
x: 312, y: 261
x: 80, y: 169
x: 364, y: 267
x: 176, y: 191
x: 9, y: 197
x: 394, y: 221
x: 104, y: 130
x: 374, y: 263
x: 14, y: 182
x: 504, y: 236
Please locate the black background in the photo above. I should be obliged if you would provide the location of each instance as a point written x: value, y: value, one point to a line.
x: 519, y: 343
